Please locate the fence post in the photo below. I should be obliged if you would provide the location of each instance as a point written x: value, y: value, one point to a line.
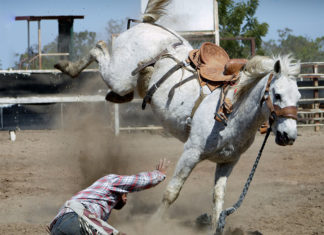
x: 116, y: 107
x: 316, y: 95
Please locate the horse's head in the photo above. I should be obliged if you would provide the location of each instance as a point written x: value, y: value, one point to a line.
x: 283, y: 96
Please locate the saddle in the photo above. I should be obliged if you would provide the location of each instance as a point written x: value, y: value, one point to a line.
x: 215, y: 69
x: 214, y: 65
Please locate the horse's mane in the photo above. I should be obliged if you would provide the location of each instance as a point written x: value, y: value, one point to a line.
x: 154, y: 10
x: 260, y: 66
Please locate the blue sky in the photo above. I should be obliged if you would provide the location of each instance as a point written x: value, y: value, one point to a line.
x: 305, y: 18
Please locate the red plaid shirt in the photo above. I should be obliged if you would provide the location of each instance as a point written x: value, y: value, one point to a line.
x: 101, y: 197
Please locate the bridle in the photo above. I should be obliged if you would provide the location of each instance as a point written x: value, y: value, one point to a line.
x: 275, y: 110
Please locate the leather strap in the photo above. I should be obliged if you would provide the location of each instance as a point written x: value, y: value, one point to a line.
x: 197, y: 103
x: 287, y: 112
x: 275, y: 110
x: 143, y: 65
x: 152, y: 90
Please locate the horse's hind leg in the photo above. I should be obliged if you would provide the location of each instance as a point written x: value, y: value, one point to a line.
x: 222, y: 172
x: 188, y: 160
x: 74, y: 68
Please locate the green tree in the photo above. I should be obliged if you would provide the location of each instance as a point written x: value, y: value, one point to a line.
x: 22, y: 59
x: 114, y: 27
x: 82, y: 42
x: 238, y: 20
x: 302, y: 48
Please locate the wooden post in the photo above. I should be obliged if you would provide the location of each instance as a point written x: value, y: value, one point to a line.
x: 116, y: 106
x: 116, y: 119
x: 216, y: 23
x: 252, y: 46
x: 28, y: 40
x: 39, y: 46
x: 316, y: 95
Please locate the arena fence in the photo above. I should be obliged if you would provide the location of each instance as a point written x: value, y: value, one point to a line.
x: 121, y: 117
x: 311, y: 87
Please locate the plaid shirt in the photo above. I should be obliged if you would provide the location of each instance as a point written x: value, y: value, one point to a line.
x: 101, y: 197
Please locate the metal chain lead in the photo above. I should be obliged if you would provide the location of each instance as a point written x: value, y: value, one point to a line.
x: 230, y: 210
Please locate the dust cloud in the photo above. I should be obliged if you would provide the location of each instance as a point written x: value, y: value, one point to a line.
x: 96, y: 151
x: 99, y: 151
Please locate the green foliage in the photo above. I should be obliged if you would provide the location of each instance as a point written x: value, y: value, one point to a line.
x: 49, y: 61
x: 22, y: 59
x: 113, y: 28
x: 237, y: 20
x: 82, y: 43
x: 302, y: 48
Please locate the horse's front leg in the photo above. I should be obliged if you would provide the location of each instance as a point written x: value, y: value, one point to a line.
x: 73, y: 69
x: 223, y: 170
x: 188, y: 160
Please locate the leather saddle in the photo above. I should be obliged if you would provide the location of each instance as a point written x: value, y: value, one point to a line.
x: 214, y: 65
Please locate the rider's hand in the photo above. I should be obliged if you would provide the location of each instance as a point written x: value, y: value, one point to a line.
x: 163, y: 166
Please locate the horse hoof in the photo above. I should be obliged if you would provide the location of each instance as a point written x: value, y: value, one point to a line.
x: 115, y: 98
x: 204, y: 220
x: 65, y: 67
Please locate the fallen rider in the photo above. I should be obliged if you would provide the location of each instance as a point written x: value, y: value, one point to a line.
x: 88, y: 210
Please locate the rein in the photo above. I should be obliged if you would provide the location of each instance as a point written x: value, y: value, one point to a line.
x: 276, y: 111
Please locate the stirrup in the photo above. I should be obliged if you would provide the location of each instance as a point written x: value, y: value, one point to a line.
x: 220, y: 117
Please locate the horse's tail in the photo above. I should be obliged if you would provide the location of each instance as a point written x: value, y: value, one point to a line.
x: 154, y: 10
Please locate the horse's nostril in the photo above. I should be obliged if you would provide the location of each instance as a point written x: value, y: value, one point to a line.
x: 289, y: 140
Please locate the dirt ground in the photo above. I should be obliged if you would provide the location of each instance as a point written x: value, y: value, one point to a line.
x: 42, y: 169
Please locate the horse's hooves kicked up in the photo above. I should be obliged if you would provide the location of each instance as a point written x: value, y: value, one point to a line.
x: 115, y: 98
x: 65, y: 67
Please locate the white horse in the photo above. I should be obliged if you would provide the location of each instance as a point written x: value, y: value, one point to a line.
x: 174, y: 100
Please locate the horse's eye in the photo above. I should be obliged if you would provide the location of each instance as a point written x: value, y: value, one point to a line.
x: 278, y: 97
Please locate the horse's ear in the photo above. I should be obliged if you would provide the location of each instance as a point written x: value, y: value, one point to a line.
x: 277, y: 67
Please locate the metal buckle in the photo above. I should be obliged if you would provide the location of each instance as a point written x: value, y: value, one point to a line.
x: 185, y: 63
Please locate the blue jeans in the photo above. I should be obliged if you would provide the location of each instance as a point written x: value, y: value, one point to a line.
x: 67, y: 224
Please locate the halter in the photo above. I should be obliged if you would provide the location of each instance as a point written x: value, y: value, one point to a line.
x: 275, y: 110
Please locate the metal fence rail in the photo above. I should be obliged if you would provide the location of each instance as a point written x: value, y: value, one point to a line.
x: 52, y: 99
x: 8, y: 102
